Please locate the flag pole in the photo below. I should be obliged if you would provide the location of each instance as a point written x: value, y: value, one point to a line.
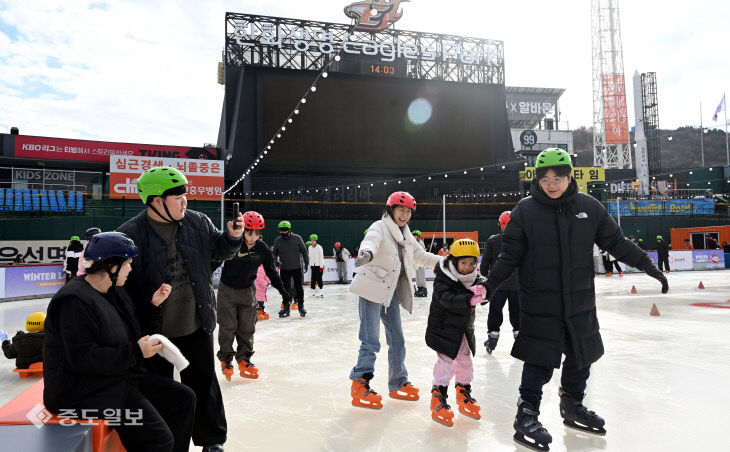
x: 727, y: 148
x: 702, y: 138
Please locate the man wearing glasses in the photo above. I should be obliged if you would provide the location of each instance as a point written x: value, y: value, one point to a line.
x: 550, y: 236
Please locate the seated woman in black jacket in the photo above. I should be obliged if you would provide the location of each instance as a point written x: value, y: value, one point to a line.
x: 95, y: 353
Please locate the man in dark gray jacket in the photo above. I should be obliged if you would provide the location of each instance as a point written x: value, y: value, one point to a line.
x: 176, y: 247
x: 289, y: 249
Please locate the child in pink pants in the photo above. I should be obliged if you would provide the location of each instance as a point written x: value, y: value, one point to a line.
x: 450, y: 330
x: 262, y: 283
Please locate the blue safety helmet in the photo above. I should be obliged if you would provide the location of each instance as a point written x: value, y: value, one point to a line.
x: 91, y: 232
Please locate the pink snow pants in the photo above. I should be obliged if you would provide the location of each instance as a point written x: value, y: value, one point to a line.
x: 446, y: 368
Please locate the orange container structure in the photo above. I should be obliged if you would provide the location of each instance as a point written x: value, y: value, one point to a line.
x: 679, y: 234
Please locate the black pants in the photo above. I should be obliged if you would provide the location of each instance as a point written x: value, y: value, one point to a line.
x: 296, y: 275
x: 494, y: 321
x: 167, y: 408
x: 316, y: 276
x: 663, y: 262
x: 614, y: 264
x: 572, y: 379
x: 210, y: 425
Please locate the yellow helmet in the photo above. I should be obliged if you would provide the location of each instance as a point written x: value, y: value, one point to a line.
x: 465, y: 248
x: 34, y: 323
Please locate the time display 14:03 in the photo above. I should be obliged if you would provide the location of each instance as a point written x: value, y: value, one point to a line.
x: 382, y: 69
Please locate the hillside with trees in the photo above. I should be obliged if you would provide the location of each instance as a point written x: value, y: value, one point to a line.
x: 681, y: 151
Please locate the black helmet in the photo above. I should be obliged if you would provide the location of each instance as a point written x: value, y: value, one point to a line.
x: 110, y: 244
x: 91, y: 232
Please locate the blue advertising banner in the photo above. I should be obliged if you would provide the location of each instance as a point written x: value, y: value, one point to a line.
x: 708, y: 259
x: 663, y: 207
x: 23, y: 281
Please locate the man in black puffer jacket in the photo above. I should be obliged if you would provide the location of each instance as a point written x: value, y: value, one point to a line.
x: 508, y: 291
x: 550, y: 237
x: 177, y: 246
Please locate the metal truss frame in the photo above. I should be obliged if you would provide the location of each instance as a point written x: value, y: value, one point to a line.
x: 489, y: 69
x: 650, y: 106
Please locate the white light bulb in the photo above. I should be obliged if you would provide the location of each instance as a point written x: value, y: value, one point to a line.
x: 314, y: 89
x: 283, y: 128
x: 278, y: 135
x: 296, y: 112
x: 304, y: 101
x: 290, y: 120
x: 337, y: 58
x: 325, y: 74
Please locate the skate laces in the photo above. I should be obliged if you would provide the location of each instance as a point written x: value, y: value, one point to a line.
x: 442, y: 398
x: 467, y: 394
x: 367, y: 387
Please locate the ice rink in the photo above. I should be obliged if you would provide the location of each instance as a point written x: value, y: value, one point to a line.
x: 659, y: 386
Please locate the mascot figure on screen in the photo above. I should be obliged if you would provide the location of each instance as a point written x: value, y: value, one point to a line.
x: 374, y: 16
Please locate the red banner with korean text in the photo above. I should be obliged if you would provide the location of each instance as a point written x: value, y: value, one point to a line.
x: 615, y: 117
x: 205, y: 177
x: 99, y: 151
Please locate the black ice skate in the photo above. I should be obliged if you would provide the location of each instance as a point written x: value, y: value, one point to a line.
x: 302, y: 311
x: 491, y: 342
x: 284, y: 310
x: 421, y: 292
x: 576, y: 415
x: 528, y: 431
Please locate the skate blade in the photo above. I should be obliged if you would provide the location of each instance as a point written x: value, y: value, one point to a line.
x: 372, y: 406
x: 444, y: 422
x: 582, y: 428
x: 520, y: 439
x: 395, y: 395
x: 476, y: 416
x: 489, y: 351
x: 250, y: 376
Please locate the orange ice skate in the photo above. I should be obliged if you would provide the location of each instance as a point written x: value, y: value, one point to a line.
x: 440, y: 410
x: 407, y: 392
x: 467, y: 405
x: 363, y: 396
x: 247, y: 370
x: 227, y: 368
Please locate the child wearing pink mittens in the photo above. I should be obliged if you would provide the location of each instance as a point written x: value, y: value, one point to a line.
x: 262, y: 283
x: 450, y: 330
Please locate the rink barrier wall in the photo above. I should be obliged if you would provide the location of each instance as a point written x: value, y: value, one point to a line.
x: 679, y: 261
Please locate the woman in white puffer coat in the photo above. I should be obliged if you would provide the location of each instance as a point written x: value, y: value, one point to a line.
x: 387, y: 257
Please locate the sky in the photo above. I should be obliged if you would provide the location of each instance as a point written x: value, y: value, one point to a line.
x: 145, y: 72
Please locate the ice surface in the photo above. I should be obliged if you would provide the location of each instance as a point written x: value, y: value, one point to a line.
x: 659, y: 386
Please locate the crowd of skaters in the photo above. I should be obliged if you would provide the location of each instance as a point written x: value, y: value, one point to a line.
x: 150, y: 284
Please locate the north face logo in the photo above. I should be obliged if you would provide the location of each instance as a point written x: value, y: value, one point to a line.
x: 582, y: 215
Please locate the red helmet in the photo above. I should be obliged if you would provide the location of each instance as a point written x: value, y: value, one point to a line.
x: 504, y: 218
x: 401, y: 198
x: 253, y: 220
x: 337, y: 244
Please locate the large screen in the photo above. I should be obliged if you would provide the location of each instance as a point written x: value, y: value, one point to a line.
x: 380, y: 121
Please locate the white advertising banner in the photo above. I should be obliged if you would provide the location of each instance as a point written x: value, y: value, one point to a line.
x: 34, y: 251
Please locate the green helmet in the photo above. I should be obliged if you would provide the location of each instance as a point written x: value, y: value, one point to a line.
x: 366, y: 232
x: 659, y: 237
x: 284, y: 225
x: 417, y: 232
x: 641, y: 240
x: 156, y: 181
x: 75, y: 237
x: 552, y: 157
x: 314, y: 237
x: 308, y: 243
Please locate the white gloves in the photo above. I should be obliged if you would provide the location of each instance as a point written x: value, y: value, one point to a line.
x: 170, y: 352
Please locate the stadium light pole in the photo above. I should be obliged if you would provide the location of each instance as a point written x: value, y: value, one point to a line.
x: 443, y: 202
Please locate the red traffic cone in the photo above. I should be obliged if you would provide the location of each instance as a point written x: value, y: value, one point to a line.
x: 633, y: 289
x: 654, y: 311
x: 701, y: 286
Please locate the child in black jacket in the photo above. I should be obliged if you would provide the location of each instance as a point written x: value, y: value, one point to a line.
x: 450, y: 330
x: 26, y: 348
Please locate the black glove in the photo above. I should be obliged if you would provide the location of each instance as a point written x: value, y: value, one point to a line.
x: 655, y: 273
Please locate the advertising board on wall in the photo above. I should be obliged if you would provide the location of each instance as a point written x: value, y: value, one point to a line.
x: 708, y: 259
x: 32, y: 280
x: 205, y: 177
x: 582, y: 175
x: 34, y: 251
x: 99, y: 151
x: 663, y: 207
